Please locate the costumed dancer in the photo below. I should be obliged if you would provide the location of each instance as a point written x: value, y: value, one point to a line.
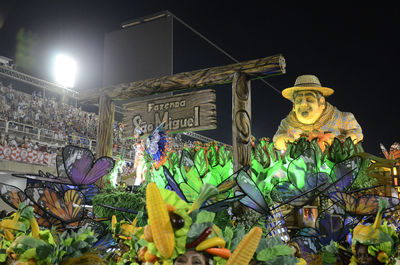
x: 140, y: 163
x: 157, y: 145
x: 376, y: 243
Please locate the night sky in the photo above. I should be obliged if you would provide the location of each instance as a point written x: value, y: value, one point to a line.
x: 352, y: 49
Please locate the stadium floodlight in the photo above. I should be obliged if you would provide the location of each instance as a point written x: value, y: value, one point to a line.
x: 65, y: 70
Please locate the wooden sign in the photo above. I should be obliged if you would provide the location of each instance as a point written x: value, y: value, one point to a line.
x: 192, y: 111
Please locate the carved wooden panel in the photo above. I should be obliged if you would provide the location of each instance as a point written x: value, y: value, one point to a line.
x: 191, y: 111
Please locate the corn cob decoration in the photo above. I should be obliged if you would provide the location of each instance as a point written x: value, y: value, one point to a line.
x: 246, y: 248
x: 34, y: 227
x: 161, y: 227
x: 369, y: 234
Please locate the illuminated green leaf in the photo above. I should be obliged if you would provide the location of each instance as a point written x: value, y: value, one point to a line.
x: 201, y: 162
x: 212, y: 156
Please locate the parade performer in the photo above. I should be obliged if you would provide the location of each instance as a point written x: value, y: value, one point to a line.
x: 157, y: 145
x: 312, y: 115
x: 140, y: 162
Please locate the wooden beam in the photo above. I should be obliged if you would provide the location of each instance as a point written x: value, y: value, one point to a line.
x: 258, y: 68
x: 105, y: 131
x: 241, y: 121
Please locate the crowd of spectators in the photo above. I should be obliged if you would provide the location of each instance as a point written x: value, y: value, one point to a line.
x: 59, y: 122
x: 27, y: 143
x: 52, y: 114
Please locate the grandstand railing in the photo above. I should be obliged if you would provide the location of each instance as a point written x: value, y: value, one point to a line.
x: 47, y: 136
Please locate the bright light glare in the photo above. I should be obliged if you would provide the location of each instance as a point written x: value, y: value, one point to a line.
x: 65, y: 70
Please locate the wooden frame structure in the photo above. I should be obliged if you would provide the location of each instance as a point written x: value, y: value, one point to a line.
x: 239, y: 74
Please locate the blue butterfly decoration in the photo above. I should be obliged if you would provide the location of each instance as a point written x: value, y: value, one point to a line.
x: 329, y: 227
x: 106, y: 244
x: 253, y: 198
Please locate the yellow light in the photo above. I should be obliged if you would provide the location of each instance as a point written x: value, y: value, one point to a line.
x: 394, y: 171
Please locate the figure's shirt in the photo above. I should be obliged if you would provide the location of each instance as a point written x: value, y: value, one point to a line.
x: 332, y: 120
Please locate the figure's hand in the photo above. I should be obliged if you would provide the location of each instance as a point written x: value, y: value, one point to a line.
x: 281, y: 141
x: 353, y: 137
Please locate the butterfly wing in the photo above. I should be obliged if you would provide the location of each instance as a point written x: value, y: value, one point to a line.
x: 344, y: 174
x: 308, y: 244
x: 364, y: 205
x: 43, y: 178
x: 286, y: 192
x: 47, y: 181
x: 47, y: 221
x: 309, y: 247
x: 67, y: 207
x: 331, y: 227
x: 308, y: 232
x: 249, y: 187
x: 60, y: 167
x: 173, y: 185
x: 247, y: 201
x: 105, y: 243
x: 89, y: 191
x: 222, y: 205
x: 95, y: 226
x: 394, y: 151
x: 101, y: 167
x: 77, y: 162
x: 345, y: 200
x: 12, y: 195
x: 119, y: 209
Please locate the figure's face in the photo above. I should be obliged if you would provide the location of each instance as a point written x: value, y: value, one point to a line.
x: 363, y: 257
x: 307, y: 107
x: 191, y: 258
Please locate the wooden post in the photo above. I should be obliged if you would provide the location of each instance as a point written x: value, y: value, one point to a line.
x: 105, y: 133
x: 241, y: 121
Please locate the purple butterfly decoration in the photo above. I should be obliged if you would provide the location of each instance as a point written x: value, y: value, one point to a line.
x: 81, y: 169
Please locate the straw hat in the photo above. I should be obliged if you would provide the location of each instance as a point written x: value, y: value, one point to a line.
x: 307, y: 82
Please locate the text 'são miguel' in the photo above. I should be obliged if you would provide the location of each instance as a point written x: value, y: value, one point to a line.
x: 191, y: 118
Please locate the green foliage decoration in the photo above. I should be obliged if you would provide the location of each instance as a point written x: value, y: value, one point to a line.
x: 268, y: 166
x: 133, y: 201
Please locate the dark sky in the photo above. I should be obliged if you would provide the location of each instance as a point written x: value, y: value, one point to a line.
x: 352, y: 49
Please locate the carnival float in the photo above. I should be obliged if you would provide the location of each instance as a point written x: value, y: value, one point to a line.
x: 312, y: 195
